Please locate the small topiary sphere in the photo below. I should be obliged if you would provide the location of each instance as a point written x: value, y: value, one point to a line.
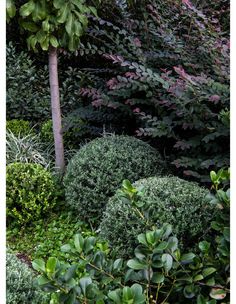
x: 19, y: 126
x: 30, y: 192
x: 171, y: 200
x: 97, y: 170
x: 19, y: 283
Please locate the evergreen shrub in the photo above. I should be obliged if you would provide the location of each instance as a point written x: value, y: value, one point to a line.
x: 20, y: 288
x: 97, y: 170
x: 30, y: 192
x: 19, y: 126
x: 170, y: 200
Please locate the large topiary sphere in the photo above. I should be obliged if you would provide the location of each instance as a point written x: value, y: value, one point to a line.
x: 19, y: 283
x: 171, y: 200
x: 97, y: 170
x: 30, y: 192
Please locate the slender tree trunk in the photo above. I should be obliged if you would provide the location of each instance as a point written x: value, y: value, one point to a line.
x: 56, y: 109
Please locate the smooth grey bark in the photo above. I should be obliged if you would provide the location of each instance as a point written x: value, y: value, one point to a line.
x: 56, y: 109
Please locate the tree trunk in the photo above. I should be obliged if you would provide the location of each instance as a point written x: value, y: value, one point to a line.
x: 56, y: 109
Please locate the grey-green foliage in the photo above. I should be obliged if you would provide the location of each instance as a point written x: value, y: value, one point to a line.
x: 169, y: 199
x: 28, y: 95
x: 28, y: 91
x: 20, y: 288
x: 97, y: 170
x: 28, y: 149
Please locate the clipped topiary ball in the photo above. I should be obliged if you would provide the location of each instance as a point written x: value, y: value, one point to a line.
x: 97, y: 170
x: 19, y: 283
x: 30, y: 192
x: 171, y: 200
x: 19, y: 126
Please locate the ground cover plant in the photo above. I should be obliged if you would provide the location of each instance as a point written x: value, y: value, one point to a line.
x: 47, y: 235
x: 102, y: 162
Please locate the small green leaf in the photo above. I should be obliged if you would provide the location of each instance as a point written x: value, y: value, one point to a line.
x: 42, y: 280
x: 64, y: 11
x: 162, y: 246
x: 84, y: 283
x: 69, y: 24
x: 117, y: 264
x: 226, y: 233
x: 204, y: 246
x: 201, y: 300
x: 27, y: 8
x: 79, y: 242
x: 187, y: 258
x: 70, y: 272
x: 11, y: 8
x: 208, y: 271
x: 167, y: 261
x: 142, y: 239
x: 66, y: 248
x: 198, y: 277
x: 53, y: 41
x: 213, y: 176
x: 158, y: 278
x: 127, y: 185
x: 39, y: 265
x: 172, y: 244
x: 93, y: 11
x: 135, y: 264
x: 189, y: 291
x: 115, y: 296
x: 51, y: 265
x: 150, y: 237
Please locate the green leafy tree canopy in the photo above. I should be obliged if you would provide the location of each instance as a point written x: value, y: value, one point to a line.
x: 57, y: 23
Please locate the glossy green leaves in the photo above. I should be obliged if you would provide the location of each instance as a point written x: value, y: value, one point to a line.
x: 52, y: 23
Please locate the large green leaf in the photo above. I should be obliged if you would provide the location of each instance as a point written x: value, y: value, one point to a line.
x: 115, y: 296
x: 79, y: 242
x: 208, y: 271
x: 84, y: 283
x: 27, y: 8
x: 51, y: 265
x: 53, y: 41
x: 137, y: 265
x: 167, y: 261
x: 11, y: 8
x: 64, y: 11
x: 39, y: 265
x: 70, y: 24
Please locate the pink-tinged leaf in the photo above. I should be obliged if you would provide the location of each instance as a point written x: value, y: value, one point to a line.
x: 187, y: 3
x: 215, y: 98
x: 97, y: 103
x: 112, y: 83
x: 136, y: 110
x: 137, y: 42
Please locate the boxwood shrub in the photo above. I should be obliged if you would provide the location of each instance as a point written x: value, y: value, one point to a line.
x: 170, y: 199
x: 19, y: 283
x: 19, y: 126
x: 97, y: 170
x: 30, y: 191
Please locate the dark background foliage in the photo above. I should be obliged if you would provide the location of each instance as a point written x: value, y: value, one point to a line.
x: 157, y: 70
